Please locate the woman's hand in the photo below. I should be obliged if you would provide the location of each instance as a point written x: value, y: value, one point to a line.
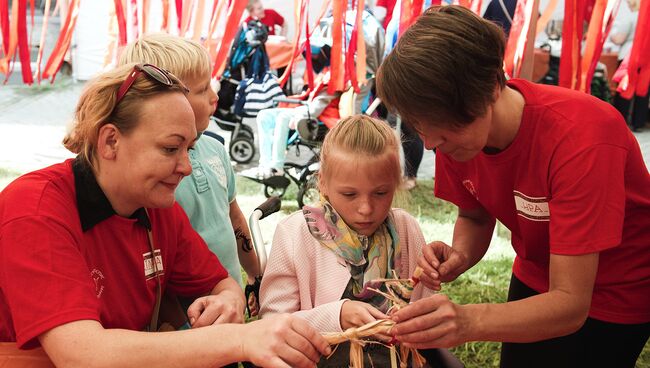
x: 440, y: 263
x: 433, y: 322
x: 283, y: 341
x: 225, y: 307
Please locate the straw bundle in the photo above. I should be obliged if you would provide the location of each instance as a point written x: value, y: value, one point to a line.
x: 399, y: 292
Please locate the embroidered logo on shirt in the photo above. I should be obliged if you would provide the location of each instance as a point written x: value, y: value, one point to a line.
x: 532, y: 208
x: 149, y: 272
x: 98, y: 278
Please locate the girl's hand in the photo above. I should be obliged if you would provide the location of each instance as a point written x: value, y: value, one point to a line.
x: 356, y: 314
x: 441, y: 263
x: 225, y: 307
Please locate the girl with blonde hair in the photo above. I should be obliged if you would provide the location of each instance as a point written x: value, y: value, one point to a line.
x: 325, y: 258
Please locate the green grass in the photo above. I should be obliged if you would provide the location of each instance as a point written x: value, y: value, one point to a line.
x: 8, y: 173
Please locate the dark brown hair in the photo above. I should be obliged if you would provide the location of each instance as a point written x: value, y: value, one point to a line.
x: 445, y: 68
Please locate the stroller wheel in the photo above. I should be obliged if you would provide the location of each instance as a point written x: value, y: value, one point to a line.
x: 242, y: 150
x: 270, y: 191
x: 308, y: 193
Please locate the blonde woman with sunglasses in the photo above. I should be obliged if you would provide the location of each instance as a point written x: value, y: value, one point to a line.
x: 87, y: 246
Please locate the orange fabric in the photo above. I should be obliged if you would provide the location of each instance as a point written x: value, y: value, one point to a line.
x: 13, y: 41
x: 198, y: 20
x: 165, y: 16
x: 337, y: 67
x: 594, y: 44
x: 11, y: 356
x: 39, y: 57
x: 210, y: 44
x: 63, y: 42
x: 546, y: 16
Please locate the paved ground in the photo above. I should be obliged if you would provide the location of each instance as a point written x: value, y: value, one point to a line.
x: 33, y: 122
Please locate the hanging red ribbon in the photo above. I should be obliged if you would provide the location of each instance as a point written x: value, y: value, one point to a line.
x: 62, y: 43
x: 350, y: 70
x: 297, y: 50
x: 600, y: 24
x: 518, y: 39
x: 4, y: 26
x: 361, y: 46
x: 39, y: 57
x: 310, y: 67
x: 179, y: 13
x: 572, y: 32
x: 23, y: 45
x: 6, y: 63
x: 232, y: 26
x: 121, y: 22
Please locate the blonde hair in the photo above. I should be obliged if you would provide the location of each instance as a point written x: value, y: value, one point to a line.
x: 183, y: 57
x: 361, y: 137
x: 96, y: 108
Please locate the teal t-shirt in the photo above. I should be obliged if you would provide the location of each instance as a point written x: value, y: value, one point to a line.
x: 206, y: 194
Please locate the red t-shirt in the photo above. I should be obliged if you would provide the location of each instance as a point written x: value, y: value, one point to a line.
x: 52, y: 272
x: 270, y: 20
x: 572, y: 182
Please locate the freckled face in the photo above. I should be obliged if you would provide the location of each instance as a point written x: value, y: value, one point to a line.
x: 361, y: 189
x: 153, y: 157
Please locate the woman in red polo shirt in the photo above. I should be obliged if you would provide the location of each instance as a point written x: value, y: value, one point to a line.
x: 88, y: 246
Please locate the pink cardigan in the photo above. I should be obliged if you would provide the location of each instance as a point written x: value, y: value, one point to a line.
x: 307, y: 279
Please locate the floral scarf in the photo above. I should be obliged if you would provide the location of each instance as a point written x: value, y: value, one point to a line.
x: 376, y: 252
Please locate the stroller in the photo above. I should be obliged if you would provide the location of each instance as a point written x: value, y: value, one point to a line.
x: 249, y: 41
x: 308, y: 134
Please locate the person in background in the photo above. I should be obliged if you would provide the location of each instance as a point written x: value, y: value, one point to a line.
x: 501, y: 12
x: 87, y: 246
x: 575, y: 196
x: 269, y: 17
x: 208, y: 194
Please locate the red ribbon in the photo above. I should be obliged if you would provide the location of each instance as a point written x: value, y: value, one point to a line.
x: 121, y: 23
x: 63, y: 42
x: 23, y: 45
x: 39, y: 58
x: 336, y: 61
x: 179, y: 13
x: 4, y: 25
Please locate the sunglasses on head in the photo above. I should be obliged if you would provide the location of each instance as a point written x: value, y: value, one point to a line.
x: 152, y: 72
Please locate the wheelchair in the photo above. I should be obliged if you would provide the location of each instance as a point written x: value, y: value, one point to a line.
x: 309, y: 134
